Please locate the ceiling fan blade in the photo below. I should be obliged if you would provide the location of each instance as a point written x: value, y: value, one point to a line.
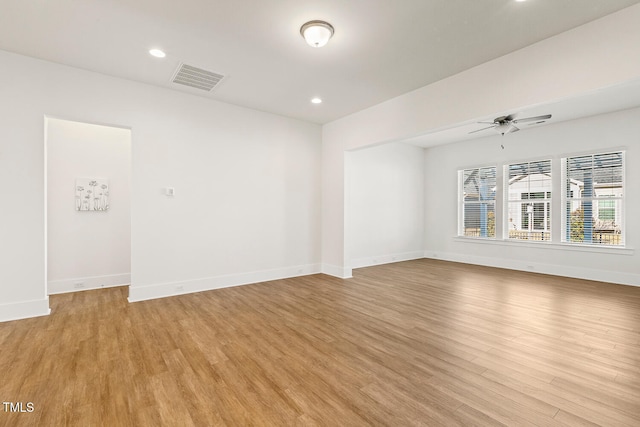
x: 533, y: 119
x: 513, y: 129
x: 478, y: 130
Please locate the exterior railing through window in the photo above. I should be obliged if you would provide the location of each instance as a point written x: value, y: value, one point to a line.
x: 599, y: 238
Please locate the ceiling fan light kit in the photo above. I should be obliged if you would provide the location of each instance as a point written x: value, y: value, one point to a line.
x: 506, y: 128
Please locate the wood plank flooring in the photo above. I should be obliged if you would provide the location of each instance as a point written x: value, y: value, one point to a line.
x: 422, y: 342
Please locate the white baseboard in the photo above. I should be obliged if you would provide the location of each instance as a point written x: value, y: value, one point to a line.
x: 161, y: 290
x: 87, y: 283
x: 386, y: 259
x: 337, y: 271
x: 600, y: 275
x: 24, y: 309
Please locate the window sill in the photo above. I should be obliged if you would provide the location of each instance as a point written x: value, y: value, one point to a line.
x: 618, y: 250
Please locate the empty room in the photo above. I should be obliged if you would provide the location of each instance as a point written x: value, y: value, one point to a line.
x: 334, y: 213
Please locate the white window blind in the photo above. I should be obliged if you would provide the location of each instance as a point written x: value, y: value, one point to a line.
x: 594, y: 199
x: 478, y: 202
x: 529, y: 200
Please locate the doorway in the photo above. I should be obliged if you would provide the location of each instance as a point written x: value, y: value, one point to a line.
x: 88, y: 206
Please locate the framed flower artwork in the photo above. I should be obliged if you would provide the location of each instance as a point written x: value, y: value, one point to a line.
x: 92, y: 194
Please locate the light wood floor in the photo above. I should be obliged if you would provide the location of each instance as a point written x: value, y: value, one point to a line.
x: 416, y: 343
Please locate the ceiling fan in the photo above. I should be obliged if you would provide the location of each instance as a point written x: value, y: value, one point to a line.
x: 507, y: 124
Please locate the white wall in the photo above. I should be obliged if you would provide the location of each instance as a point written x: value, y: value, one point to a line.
x: 596, y: 55
x: 247, y: 204
x: 592, y: 134
x: 91, y: 248
x: 385, y: 204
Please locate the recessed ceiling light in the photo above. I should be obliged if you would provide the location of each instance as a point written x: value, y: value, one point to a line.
x: 520, y: 1
x: 157, y: 53
x: 316, y: 100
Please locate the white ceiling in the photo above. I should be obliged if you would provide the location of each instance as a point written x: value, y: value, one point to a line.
x: 381, y: 48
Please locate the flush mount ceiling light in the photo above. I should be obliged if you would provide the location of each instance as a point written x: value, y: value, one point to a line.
x: 316, y: 33
x: 157, y: 53
x: 316, y: 100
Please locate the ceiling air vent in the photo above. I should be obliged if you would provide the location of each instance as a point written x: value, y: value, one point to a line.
x: 195, y: 77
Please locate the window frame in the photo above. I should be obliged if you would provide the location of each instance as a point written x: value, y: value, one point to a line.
x: 610, y: 192
x: 567, y: 210
x: 547, y: 202
x: 462, y: 203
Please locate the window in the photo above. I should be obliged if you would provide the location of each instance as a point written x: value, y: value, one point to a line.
x: 607, y: 210
x: 541, y: 219
x: 595, y: 216
x: 529, y: 200
x: 478, y: 202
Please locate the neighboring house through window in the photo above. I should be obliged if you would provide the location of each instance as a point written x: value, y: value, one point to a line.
x: 529, y: 200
